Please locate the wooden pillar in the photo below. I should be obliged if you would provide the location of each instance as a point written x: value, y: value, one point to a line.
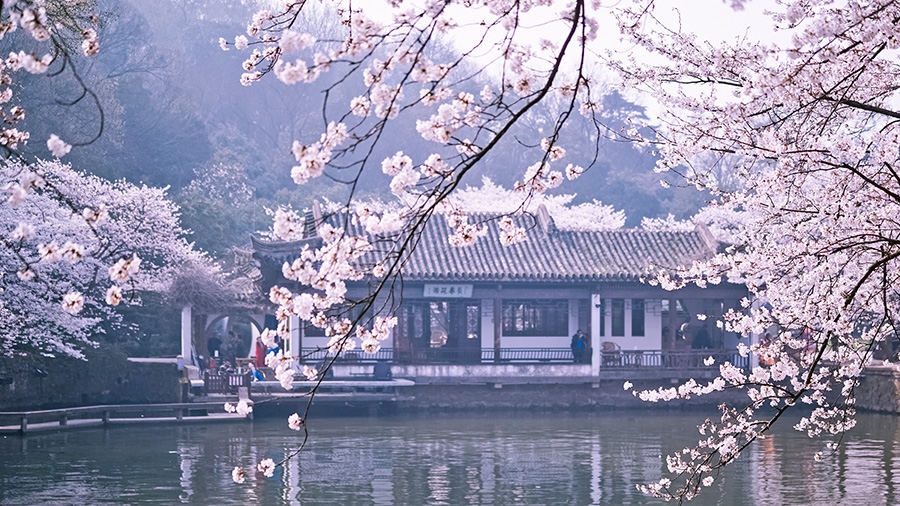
x: 596, y: 345
x: 23, y: 424
x: 498, y: 328
x: 186, y: 335
x: 398, y: 338
x: 755, y: 338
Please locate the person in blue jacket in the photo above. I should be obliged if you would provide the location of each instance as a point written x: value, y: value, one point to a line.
x: 579, y: 346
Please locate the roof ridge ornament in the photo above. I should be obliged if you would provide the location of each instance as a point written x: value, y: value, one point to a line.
x: 707, y: 236
x: 548, y: 226
x: 317, y: 214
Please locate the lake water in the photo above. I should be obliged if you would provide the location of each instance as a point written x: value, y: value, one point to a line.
x: 500, y: 458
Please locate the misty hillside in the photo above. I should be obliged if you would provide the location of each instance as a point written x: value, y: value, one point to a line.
x: 176, y: 115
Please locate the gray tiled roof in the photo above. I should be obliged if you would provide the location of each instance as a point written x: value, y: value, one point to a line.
x: 548, y: 254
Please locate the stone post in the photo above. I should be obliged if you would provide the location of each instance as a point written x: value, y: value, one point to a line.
x: 254, y: 337
x: 293, y: 343
x: 186, y: 335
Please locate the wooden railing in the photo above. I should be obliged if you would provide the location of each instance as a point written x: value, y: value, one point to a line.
x: 689, y: 359
x: 536, y: 355
x: 225, y: 383
x: 349, y: 357
x: 105, y: 413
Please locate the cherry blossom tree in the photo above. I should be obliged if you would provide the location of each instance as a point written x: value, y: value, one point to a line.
x: 807, y: 126
x: 63, y: 273
x: 490, y: 198
x: 667, y: 223
x: 795, y: 137
x: 72, y: 246
x: 48, y: 38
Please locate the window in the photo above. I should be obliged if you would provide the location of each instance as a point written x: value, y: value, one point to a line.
x: 536, y: 317
x: 473, y: 321
x: 637, y: 317
x: 440, y: 324
x: 411, y: 322
x: 310, y: 330
x: 618, y: 317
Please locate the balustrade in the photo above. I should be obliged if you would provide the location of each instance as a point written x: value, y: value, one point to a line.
x: 689, y: 359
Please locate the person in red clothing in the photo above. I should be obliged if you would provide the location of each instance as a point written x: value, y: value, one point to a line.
x: 260, y: 356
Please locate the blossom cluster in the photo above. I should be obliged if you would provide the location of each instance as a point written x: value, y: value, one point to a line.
x: 243, y: 407
x: 61, y: 257
x: 283, y: 365
x: 509, y: 233
x: 312, y: 159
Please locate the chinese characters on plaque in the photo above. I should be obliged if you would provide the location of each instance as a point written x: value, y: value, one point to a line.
x: 449, y: 291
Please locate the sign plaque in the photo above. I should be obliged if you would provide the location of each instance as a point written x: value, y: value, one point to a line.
x: 455, y: 291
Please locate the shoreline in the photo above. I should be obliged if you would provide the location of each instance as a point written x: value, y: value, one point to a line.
x: 878, y: 392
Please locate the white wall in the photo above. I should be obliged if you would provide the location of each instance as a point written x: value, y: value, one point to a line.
x: 653, y: 324
x: 254, y: 337
x: 487, y: 323
x: 573, y: 317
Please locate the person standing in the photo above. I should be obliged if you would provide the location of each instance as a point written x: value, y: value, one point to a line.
x: 259, y: 357
x: 578, y: 345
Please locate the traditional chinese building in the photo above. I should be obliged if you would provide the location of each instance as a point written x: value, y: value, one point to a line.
x: 489, y: 304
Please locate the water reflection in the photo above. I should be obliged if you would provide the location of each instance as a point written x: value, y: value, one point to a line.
x: 587, y: 458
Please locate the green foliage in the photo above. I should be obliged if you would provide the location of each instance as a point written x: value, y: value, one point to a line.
x: 217, y: 224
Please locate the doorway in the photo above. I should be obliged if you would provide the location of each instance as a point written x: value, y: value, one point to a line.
x: 439, y: 331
